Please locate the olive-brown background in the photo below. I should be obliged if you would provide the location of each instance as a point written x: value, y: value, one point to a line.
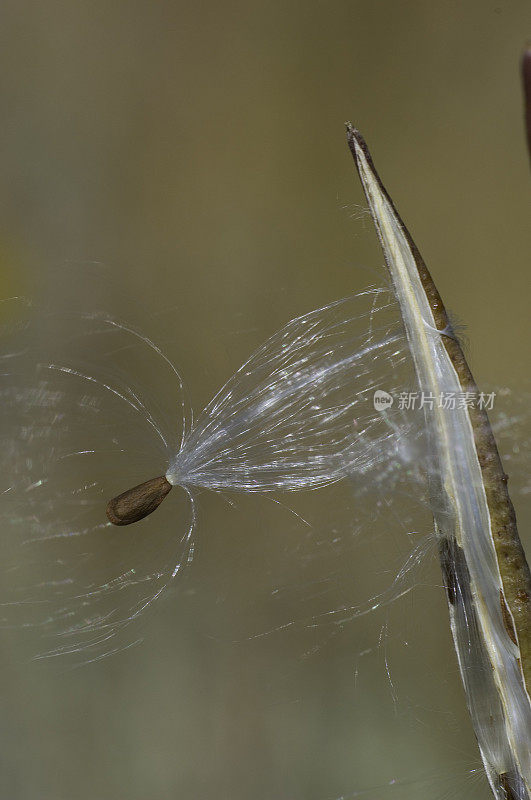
x: 197, y: 150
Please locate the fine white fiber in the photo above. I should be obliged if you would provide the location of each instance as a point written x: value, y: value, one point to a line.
x: 299, y: 413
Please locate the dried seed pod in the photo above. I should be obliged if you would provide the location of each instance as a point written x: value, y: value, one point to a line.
x: 486, y: 575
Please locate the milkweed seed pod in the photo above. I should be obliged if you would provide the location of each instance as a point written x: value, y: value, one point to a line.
x: 483, y: 562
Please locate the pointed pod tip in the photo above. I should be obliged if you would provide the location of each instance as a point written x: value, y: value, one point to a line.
x: 354, y: 133
x: 138, y: 502
x: 355, y: 140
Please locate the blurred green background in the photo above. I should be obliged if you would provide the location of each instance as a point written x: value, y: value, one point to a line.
x: 198, y: 152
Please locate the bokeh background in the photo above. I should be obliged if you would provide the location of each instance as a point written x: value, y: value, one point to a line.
x: 196, y: 152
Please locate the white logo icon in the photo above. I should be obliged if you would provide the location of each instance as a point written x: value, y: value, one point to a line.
x: 382, y: 400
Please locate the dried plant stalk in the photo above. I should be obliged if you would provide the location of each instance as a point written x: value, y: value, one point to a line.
x: 485, y: 571
x: 526, y: 78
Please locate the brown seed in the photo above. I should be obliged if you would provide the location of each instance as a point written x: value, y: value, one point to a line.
x: 507, y: 619
x: 506, y: 784
x: 138, y: 502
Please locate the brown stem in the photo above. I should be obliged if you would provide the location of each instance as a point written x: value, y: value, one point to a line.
x: 526, y: 77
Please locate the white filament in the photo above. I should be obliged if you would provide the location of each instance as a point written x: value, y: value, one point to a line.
x: 299, y: 413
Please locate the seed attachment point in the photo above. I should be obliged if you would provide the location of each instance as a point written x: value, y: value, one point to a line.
x: 136, y: 503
